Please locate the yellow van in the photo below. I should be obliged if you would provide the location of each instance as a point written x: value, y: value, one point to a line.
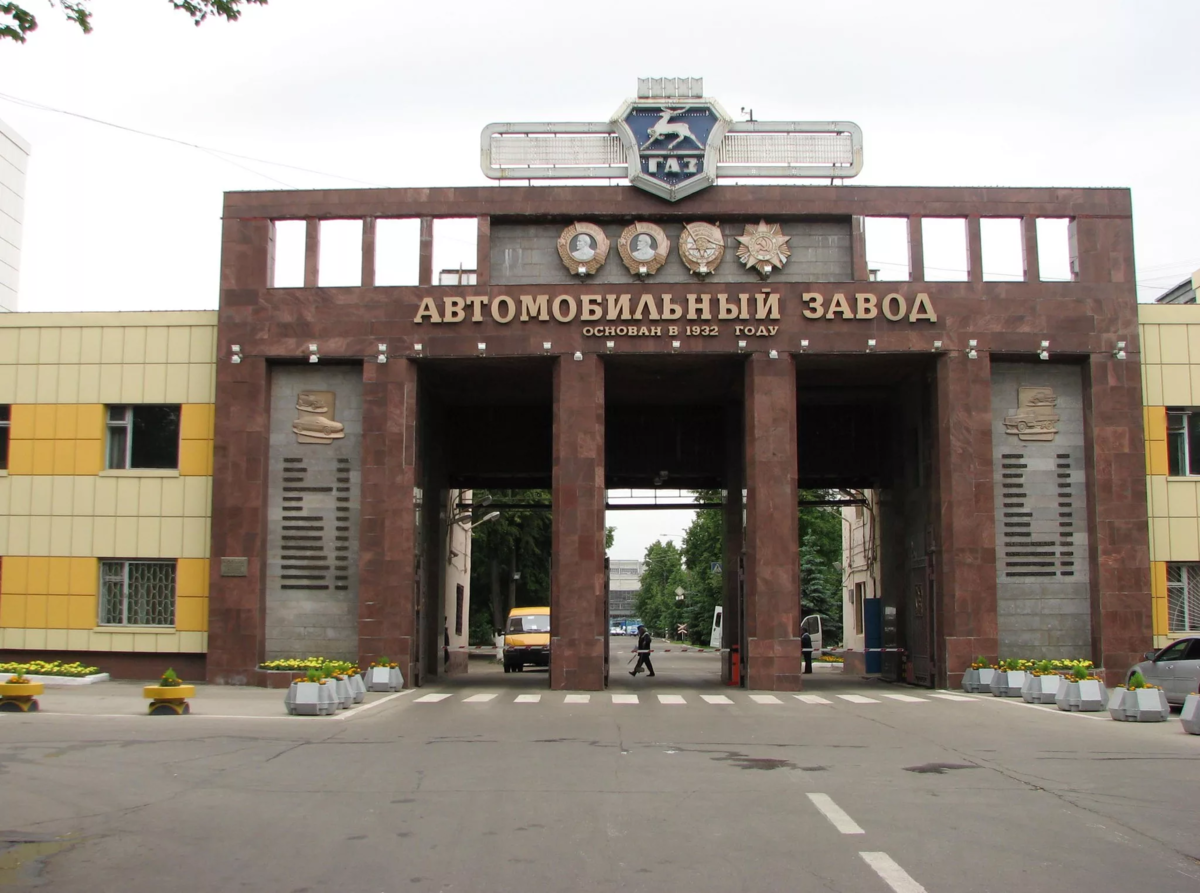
x: 527, y: 639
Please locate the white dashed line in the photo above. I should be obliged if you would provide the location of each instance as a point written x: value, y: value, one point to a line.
x: 836, y: 815
x: 812, y: 699
x: 715, y: 699
x: 908, y: 699
x: 671, y: 699
x: 478, y: 699
x: 432, y: 698
x: 765, y: 699
x: 577, y: 699
x: 895, y: 876
x: 858, y: 699
x: 527, y: 699
x: 625, y: 699
x: 946, y: 696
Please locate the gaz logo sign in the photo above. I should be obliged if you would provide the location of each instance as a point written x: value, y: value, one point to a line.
x: 672, y: 144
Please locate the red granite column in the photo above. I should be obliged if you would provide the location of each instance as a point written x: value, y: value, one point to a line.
x: 774, y: 659
x: 966, y: 528
x: 577, y: 585
x: 387, y: 548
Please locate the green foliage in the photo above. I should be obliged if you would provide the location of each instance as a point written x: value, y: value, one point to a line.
x: 48, y: 668
x: 655, y: 602
x: 21, y: 21
x: 519, y: 540
x: 170, y: 679
x: 1136, y: 681
x: 820, y: 588
x: 1013, y: 664
x: 1044, y: 667
x: 312, y: 674
x: 1079, y: 673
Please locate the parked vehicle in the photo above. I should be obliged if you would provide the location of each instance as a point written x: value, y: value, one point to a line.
x: 1175, y: 669
x: 812, y: 623
x: 527, y: 639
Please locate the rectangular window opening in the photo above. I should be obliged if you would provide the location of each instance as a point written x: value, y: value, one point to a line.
x: 1183, y: 597
x: 289, y: 253
x: 1054, y: 249
x: 1003, y: 244
x: 340, y: 255
x: 860, y: 594
x: 887, y: 248
x: 5, y: 428
x: 455, y: 248
x: 397, y: 251
x: 945, y: 247
x: 137, y: 593
x: 143, y: 436
x: 1183, y: 442
x: 459, y: 597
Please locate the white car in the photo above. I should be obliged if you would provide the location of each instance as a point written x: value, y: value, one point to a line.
x: 1175, y: 669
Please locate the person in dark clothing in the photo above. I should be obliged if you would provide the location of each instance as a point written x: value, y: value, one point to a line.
x: 806, y: 647
x: 643, y: 653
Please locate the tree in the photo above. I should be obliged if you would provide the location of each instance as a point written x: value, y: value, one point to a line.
x: 655, y: 602
x: 20, y: 21
x: 518, y: 542
x: 820, y: 588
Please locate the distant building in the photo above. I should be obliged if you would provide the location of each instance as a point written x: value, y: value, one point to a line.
x: 14, y: 160
x: 624, y: 581
x: 1183, y: 293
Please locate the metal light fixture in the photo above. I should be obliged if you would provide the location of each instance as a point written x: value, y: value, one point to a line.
x: 579, y: 356
x: 610, y: 345
x: 382, y: 358
x: 972, y: 352
x: 313, y: 356
x: 674, y: 347
x: 237, y: 353
x: 803, y: 344
x: 773, y: 354
x: 741, y: 346
x: 546, y: 346
x: 937, y: 345
x: 1119, y: 353
x: 1044, y: 351
x: 870, y: 344
x: 418, y: 347
x: 482, y: 347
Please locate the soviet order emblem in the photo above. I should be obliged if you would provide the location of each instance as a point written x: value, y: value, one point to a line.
x: 701, y: 246
x: 1034, y: 417
x: 643, y: 247
x: 315, y: 422
x: 583, y: 247
x: 763, y: 247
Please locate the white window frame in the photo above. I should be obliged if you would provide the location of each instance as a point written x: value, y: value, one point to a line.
x: 1189, y: 578
x: 125, y: 423
x: 123, y: 578
x: 1181, y: 430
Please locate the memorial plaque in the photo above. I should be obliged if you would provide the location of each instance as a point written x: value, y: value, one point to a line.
x: 234, y: 567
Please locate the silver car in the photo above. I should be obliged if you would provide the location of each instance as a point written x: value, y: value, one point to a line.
x: 1176, y: 669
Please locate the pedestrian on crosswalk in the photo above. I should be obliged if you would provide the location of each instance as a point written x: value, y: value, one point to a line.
x: 807, y: 649
x: 643, y: 653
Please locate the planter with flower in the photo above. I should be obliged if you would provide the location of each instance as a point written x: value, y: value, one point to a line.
x: 1041, y: 684
x: 341, y: 683
x: 1081, y: 691
x: 979, y: 677
x: 1010, y: 677
x: 357, y: 687
x: 19, y: 694
x: 383, y: 675
x: 169, y: 697
x: 1138, y: 701
x: 1190, y: 714
x: 311, y: 695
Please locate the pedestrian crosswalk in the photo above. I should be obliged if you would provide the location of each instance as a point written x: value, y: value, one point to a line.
x: 683, y: 700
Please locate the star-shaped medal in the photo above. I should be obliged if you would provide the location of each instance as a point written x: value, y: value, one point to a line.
x: 763, y: 247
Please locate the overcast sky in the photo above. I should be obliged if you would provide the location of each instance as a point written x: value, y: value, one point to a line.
x: 392, y: 93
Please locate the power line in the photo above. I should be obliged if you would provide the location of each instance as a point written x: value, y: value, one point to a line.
x: 16, y: 100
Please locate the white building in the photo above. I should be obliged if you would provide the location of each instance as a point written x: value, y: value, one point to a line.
x: 860, y: 575
x: 624, y: 581
x: 14, y: 160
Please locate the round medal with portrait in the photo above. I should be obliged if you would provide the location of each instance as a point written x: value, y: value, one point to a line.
x: 643, y: 248
x: 583, y: 248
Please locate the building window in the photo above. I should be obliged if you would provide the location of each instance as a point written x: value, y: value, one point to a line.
x: 1183, y: 597
x: 137, y: 593
x: 5, y: 420
x: 1183, y: 442
x: 860, y: 593
x: 143, y: 437
x: 459, y: 594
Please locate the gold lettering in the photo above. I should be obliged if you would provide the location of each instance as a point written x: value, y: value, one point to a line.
x: 535, y: 308
x: 618, y: 306
x: 767, y: 306
x: 894, y: 306
x: 568, y: 314
x: 672, y: 331
x: 762, y: 332
x: 592, y: 309
x: 428, y: 308
x: 510, y: 309
x: 671, y: 310
x: 648, y: 303
x: 922, y: 309
x: 453, y: 309
x: 725, y: 310
x: 772, y: 330
x: 839, y: 305
x: 867, y: 306
x: 656, y: 331
x: 698, y: 304
x: 743, y: 302
x: 476, y: 306
x: 643, y: 331
x: 816, y: 305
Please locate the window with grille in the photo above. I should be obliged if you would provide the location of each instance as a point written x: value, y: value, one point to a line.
x: 1183, y: 442
x: 5, y: 420
x: 143, y: 436
x: 1183, y: 597
x: 137, y: 593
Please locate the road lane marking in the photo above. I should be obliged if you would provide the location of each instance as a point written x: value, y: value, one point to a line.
x: 765, y: 699
x: 527, y: 699
x: 908, y: 699
x: 577, y: 699
x: 478, y: 699
x: 671, y: 699
x: 716, y: 699
x: 858, y: 699
x: 895, y: 876
x: 432, y: 698
x: 812, y: 699
x: 946, y: 696
x: 625, y: 699
x: 836, y: 815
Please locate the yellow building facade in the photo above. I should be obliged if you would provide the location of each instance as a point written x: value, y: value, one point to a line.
x: 1170, y: 341
x: 106, y: 444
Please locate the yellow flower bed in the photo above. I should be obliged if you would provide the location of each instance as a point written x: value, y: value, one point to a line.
x: 49, y: 668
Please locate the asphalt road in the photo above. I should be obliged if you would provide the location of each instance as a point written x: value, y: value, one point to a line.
x: 492, y: 782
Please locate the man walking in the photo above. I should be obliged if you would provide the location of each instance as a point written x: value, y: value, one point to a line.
x: 806, y: 647
x: 643, y: 653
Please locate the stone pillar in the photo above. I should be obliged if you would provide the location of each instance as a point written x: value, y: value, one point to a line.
x: 966, y: 529
x: 731, y: 612
x: 577, y: 610
x: 772, y: 626
x: 388, y: 541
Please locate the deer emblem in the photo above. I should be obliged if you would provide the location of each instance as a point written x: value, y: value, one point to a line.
x: 664, y: 127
